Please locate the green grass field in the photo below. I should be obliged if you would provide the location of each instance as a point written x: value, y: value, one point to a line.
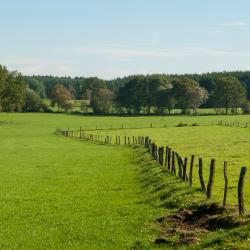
x: 63, y: 193
x: 231, y: 144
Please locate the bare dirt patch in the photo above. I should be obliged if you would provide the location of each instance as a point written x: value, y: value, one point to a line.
x: 189, y: 225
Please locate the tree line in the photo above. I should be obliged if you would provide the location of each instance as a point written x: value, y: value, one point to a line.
x: 137, y: 94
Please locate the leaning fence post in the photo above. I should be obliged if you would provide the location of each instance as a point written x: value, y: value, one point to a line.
x: 241, y: 191
x: 203, y: 187
x: 226, y: 184
x: 184, y: 174
x: 179, y: 161
x: 166, y: 157
x: 211, y: 179
x: 191, y: 171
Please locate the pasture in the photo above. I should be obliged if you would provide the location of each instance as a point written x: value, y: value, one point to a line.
x: 62, y: 193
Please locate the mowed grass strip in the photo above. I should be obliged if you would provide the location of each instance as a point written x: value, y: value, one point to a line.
x: 59, y: 193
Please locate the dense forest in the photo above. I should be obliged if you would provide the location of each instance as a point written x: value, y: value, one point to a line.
x: 136, y: 94
x: 78, y: 86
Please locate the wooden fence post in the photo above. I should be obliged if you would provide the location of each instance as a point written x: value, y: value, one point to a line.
x: 173, y: 170
x: 179, y: 161
x: 169, y: 158
x: 241, y: 191
x: 166, y: 157
x: 184, y: 174
x: 156, y: 153
x: 211, y: 179
x: 226, y: 184
x: 203, y: 187
x: 162, y: 156
x: 159, y: 155
x: 191, y: 171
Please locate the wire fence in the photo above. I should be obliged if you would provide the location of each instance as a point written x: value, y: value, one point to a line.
x: 172, y: 161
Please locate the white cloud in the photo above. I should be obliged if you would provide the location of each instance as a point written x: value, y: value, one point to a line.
x: 32, y: 66
x: 124, y: 52
x: 113, y: 61
x: 235, y: 24
x: 119, y: 53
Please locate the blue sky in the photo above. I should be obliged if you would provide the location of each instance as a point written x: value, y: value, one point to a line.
x: 114, y: 38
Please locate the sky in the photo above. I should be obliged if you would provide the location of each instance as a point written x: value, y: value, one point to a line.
x: 115, y: 38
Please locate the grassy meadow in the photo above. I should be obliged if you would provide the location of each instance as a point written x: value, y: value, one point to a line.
x: 63, y: 193
x: 231, y: 144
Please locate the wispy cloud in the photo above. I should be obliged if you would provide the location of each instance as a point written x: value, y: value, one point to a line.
x: 113, y: 61
x: 36, y: 66
x: 114, y: 52
x: 234, y: 24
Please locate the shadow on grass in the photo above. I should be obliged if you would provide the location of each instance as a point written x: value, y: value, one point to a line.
x: 164, y: 190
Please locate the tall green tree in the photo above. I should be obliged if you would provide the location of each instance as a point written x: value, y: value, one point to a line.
x: 61, y: 97
x: 12, y: 90
x: 133, y: 96
x: 154, y: 84
x: 33, y: 102
x: 229, y: 93
x: 37, y: 86
x: 188, y: 93
x: 102, y: 101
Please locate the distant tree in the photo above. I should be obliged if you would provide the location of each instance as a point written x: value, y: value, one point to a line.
x: 37, y: 86
x: 87, y: 94
x: 61, y: 97
x: 68, y: 105
x: 246, y: 107
x: 102, y: 101
x: 154, y: 85
x: 133, y: 96
x: 33, y: 101
x: 12, y: 90
x: 188, y: 93
x: 228, y: 93
x: 84, y: 106
x: 165, y: 99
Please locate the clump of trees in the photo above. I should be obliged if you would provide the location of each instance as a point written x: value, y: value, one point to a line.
x: 12, y: 91
x: 142, y: 93
x: 229, y: 94
x: 102, y: 101
x: 138, y: 94
x: 61, y: 98
x: 15, y: 95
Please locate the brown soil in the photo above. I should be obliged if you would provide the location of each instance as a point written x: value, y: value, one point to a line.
x: 189, y: 225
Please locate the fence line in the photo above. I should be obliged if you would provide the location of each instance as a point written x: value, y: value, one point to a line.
x: 167, y: 158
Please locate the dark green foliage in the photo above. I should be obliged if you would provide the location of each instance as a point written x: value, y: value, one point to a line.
x: 33, y: 102
x: 61, y: 97
x: 12, y: 91
x: 133, y: 95
x: 136, y: 94
x: 229, y: 93
x: 102, y: 100
x: 37, y: 86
